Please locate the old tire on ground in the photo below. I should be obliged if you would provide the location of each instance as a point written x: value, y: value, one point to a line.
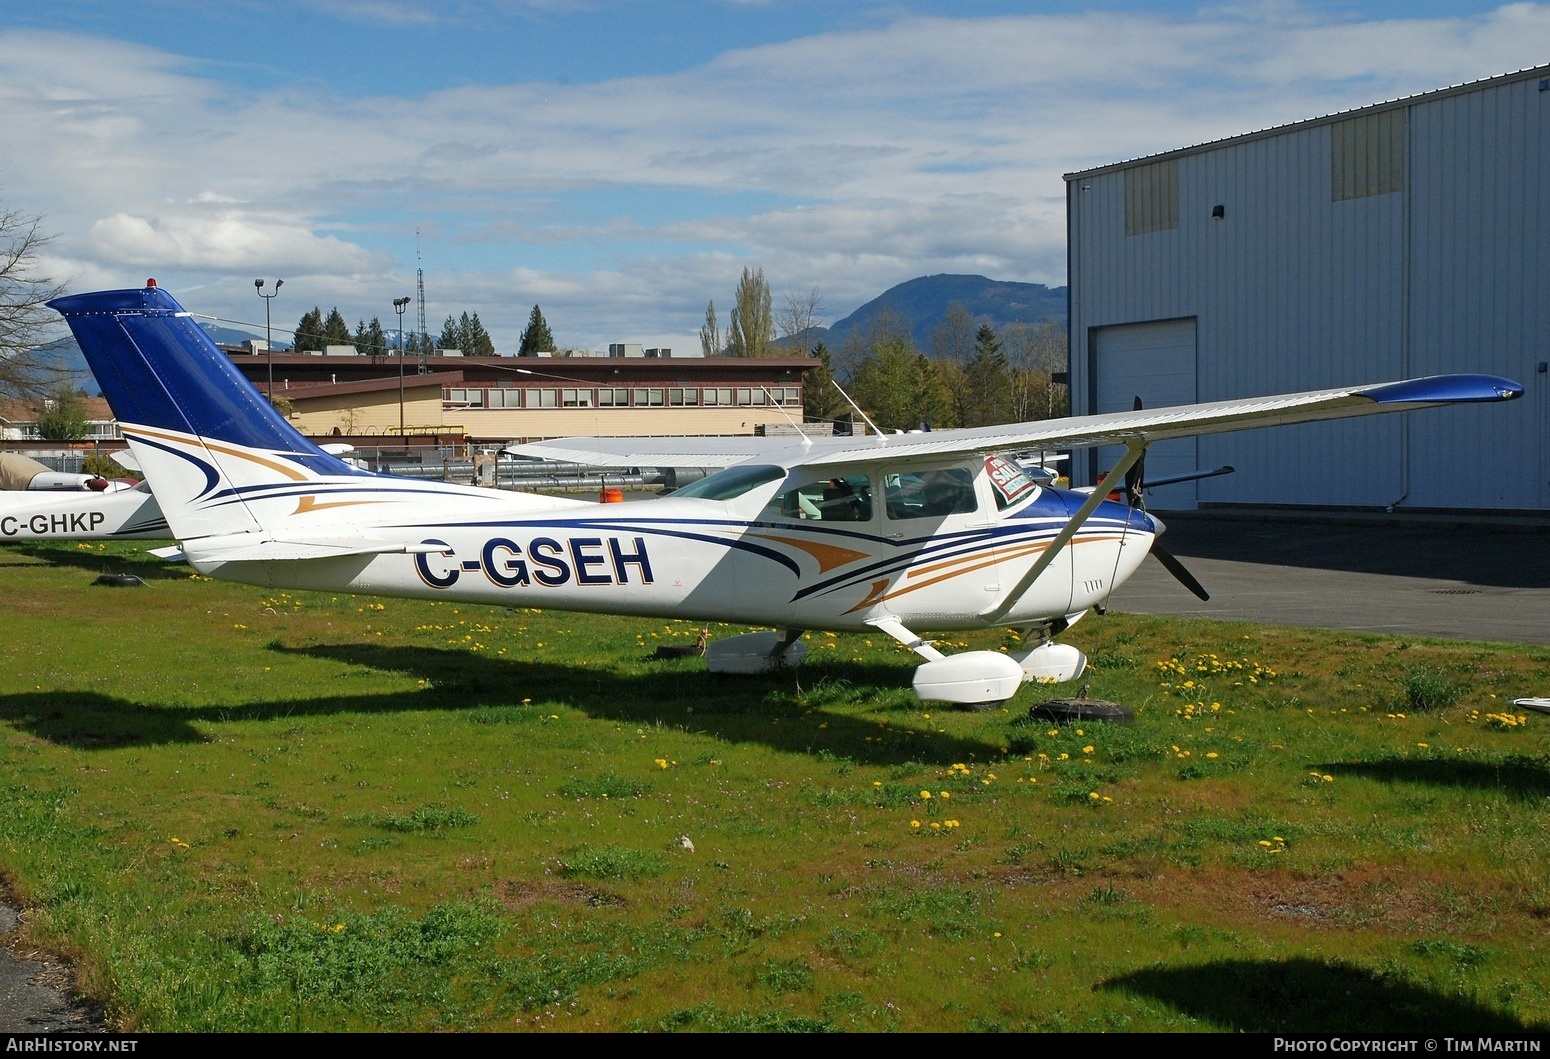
x: 1064, y: 710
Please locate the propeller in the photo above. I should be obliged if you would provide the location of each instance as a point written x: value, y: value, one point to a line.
x: 1135, y: 483
x: 1176, y: 568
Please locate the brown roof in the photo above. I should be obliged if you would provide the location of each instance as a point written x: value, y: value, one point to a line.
x: 22, y: 410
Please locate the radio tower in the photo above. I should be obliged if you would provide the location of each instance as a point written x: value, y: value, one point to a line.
x: 419, y: 272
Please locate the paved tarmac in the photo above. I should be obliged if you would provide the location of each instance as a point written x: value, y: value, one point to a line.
x: 1481, y: 580
x: 37, y: 992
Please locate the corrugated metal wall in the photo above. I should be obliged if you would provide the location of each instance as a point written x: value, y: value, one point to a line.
x: 1310, y: 257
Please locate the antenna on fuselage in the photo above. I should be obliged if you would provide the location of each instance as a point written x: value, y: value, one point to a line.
x: 806, y: 441
x: 857, y: 409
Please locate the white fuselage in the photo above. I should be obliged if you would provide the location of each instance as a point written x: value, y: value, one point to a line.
x: 758, y: 558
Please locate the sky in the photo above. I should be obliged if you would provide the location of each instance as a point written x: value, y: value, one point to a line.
x: 619, y: 163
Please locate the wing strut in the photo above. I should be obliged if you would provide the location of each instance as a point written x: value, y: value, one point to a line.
x: 1134, y: 450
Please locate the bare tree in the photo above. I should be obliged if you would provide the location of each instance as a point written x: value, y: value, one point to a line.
x: 1034, y: 352
x: 800, y: 318
x: 28, y: 367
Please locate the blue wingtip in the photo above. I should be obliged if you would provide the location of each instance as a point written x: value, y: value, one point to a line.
x: 1445, y: 389
x: 157, y: 368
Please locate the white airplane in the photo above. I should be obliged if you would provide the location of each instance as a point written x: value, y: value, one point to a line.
x: 897, y: 533
x: 37, y: 503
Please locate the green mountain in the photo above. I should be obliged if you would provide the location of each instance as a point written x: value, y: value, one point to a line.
x: 922, y: 303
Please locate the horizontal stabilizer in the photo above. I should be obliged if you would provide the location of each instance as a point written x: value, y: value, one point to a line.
x: 238, y: 550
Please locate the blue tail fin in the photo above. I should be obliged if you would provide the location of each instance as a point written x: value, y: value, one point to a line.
x: 159, y: 370
x: 218, y: 457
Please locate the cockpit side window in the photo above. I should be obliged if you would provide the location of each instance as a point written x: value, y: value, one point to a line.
x: 930, y: 494
x: 847, y: 498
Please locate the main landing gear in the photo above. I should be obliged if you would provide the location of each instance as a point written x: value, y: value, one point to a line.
x: 968, y: 679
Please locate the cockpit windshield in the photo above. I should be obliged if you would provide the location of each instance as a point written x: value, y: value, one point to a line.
x: 732, y: 482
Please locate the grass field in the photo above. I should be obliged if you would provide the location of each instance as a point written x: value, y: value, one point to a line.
x: 243, y: 810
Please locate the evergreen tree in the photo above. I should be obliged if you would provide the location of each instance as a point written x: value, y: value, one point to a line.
x: 536, y: 336
x: 451, y: 335
x: 476, y: 340
x: 896, y: 384
x: 821, y: 402
x: 989, y: 382
x: 371, y: 339
x: 335, y: 331
x: 309, y: 331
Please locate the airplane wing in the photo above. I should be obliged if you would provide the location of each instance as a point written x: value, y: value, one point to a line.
x: 1076, y: 432
x: 721, y: 451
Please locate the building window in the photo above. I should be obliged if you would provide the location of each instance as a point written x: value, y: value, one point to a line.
x: 542, y: 398
x: 576, y: 398
x: 1152, y: 197
x: 1367, y: 155
x: 678, y: 396
x: 649, y: 397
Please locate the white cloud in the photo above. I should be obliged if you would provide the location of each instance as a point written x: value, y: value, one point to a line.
x: 845, y: 161
x: 226, y: 241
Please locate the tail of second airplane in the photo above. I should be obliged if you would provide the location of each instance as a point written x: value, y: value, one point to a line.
x: 218, y: 456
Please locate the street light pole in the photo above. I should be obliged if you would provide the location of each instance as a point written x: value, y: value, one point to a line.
x: 258, y: 285
x: 400, y: 304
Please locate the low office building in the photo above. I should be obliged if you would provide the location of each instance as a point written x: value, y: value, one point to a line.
x: 498, y: 399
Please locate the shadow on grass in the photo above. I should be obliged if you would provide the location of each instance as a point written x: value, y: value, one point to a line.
x: 1306, y: 996
x: 763, y: 710
x: 143, y: 565
x: 1518, y: 776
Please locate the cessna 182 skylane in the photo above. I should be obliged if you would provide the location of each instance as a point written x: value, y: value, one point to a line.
x: 897, y: 533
